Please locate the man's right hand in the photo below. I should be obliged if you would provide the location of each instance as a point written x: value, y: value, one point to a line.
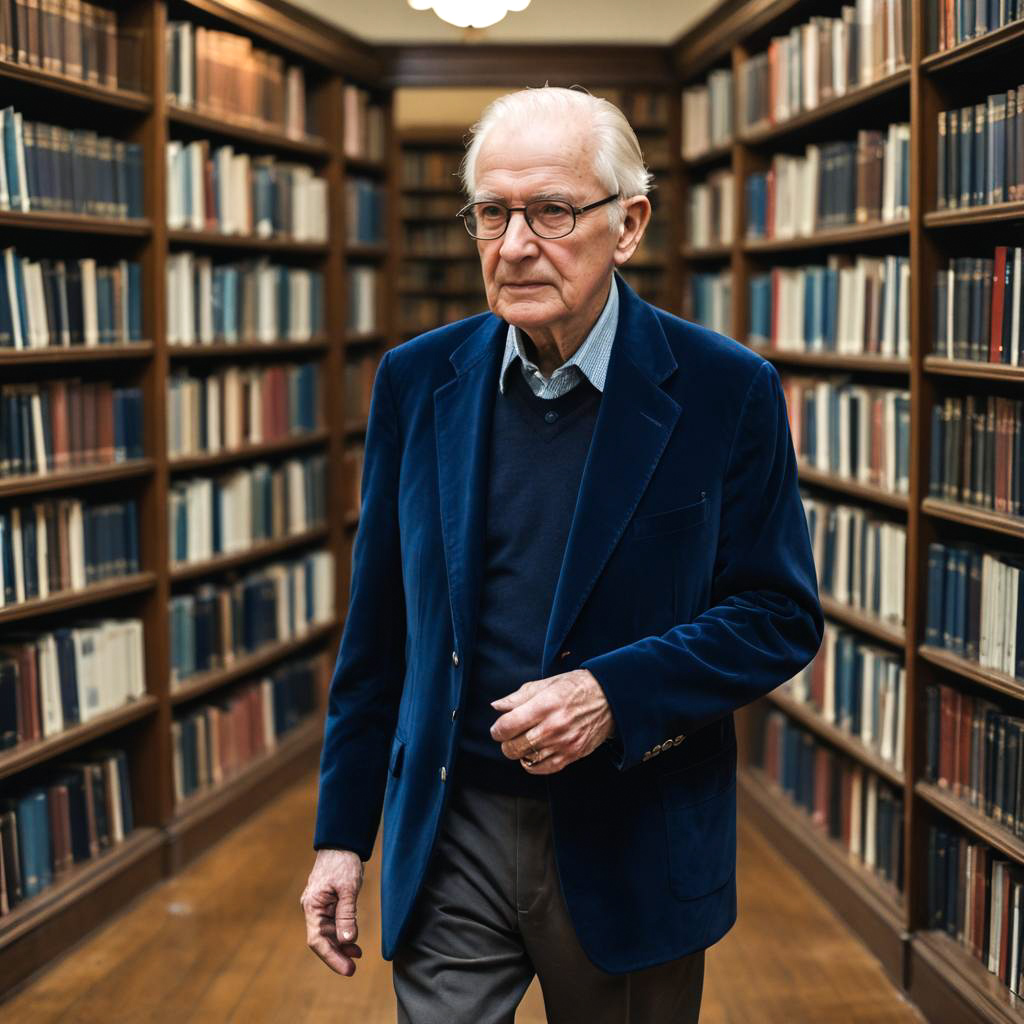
x: 329, y: 903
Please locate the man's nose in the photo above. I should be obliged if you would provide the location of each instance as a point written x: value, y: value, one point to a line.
x: 519, y: 240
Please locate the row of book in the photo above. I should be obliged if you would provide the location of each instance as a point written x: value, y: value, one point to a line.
x: 846, y: 801
x: 55, y: 303
x: 74, y: 38
x: 364, y: 212
x: 975, y: 751
x: 424, y: 314
x: 249, y: 301
x: 860, y: 558
x: 234, y: 511
x: 214, y: 742
x: 976, y: 452
x: 647, y: 281
x: 361, y: 313
x: 436, y: 240
x: 978, y: 307
x: 238, y: 406
x: 218, y: 624
x: 851, y: 431
x: 710, y: 205
x: 644, y: 108
x: 223, y: 75
x: 67, y: 424
x: 47, y: 168
x: 851, y: 306
x: 834, y: 185
x: 860, y: 688
x: 82, y: 809
x: 359, y: 375
x: 443, y: 206
x: 981, y: 152
x: 975, y: 606
x: 52, y: 547
x: 431, y: 168
x: 364, y: 128
x: 52, y: 681
x: 949, y: 23
x: 711, y: 300
x: 238, y: 194
x: 708, y: 114
x: 822, y: 59
x: 440, y: 275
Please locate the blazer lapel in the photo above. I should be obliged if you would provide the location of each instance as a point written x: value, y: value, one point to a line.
x: 634, y: 422
x: 462, y: 416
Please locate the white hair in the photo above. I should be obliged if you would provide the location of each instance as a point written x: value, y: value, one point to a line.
x: 618, y: 160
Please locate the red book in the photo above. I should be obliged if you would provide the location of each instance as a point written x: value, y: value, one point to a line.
x: 945, y: 737
x: 59, y: 423
x: 104, y: 422
x: 995, y: 345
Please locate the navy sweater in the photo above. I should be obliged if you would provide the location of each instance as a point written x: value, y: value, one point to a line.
x: 538, y: 449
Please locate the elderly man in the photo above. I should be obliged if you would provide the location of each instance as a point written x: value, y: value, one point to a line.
x: 581, y: 549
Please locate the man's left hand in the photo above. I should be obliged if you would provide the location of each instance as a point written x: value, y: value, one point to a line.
x: 549, y: 723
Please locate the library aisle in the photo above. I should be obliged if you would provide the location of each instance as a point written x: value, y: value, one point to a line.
x: 224, y: 942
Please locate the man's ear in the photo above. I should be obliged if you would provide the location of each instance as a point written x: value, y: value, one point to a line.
x: 637, y: 215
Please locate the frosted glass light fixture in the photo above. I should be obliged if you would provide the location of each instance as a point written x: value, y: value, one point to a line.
x: 470, y: 13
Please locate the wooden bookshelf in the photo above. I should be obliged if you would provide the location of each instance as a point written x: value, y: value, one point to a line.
x: 166, y: 836
x: 935, y: 971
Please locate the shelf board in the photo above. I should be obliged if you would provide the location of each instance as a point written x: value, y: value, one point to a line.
x: 948, y: 984
x: 973, y: 368
x: 972, y: 48
x: 718, y: 251
x: 231, y: 350
x: 971, y: 819
x: 235, y: 129
x: 110, y: 96
x: 846, y: 742
x: 855, y: 97
x: 868, y: 905
x: 24, y: 755
x: 237, y: 559
x: 247, y: 664
x: 92, y: 594
x: 351, y: 519
x: 983, y: 518
x: 866, y: 492
x: 81, y: 879
x: 366, y: 251
x: 216, y: 239
x: 192, y: 463
x: 967, y: 669
x: 39, y: 220
x: 851, y: 235
x: 994, y: 213
x: 888, y: 633
x: 364, y: 338
x: 709, y: 156
x: 75, y: 354
x: 204, y: 817
x: 833, y: 361
x: 357, y: 426
x: 366, y: 165
x: 62, y: 480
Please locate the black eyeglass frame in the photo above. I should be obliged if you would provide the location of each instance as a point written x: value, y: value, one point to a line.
x: 509, y: 210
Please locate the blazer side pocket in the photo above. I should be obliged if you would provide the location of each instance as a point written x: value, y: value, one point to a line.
x: 670, y: 522
x: 700, y: 824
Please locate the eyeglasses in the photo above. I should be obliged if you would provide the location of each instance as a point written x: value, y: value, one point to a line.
x: 547, y: 218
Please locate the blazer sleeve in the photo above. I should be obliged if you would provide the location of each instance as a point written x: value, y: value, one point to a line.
x: 365, y: 689
x: 765, y: 621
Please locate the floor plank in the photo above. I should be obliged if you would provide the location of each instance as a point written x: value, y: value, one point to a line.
x: 224, y: 943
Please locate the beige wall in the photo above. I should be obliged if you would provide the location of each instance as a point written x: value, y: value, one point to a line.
x: 418, y: 108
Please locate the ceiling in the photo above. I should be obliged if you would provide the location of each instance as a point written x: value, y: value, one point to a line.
x: 544, y: 21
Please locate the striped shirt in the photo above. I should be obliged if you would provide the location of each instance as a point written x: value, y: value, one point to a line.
x: 590, y: 360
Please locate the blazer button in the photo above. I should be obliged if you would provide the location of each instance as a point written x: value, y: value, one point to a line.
x: 444, y: 773
x: 455, y: 658
x: 679, y: 739
x: 668, y: 744
x: 656, y: 749
x: 647, y: 756
x: 455, y: 713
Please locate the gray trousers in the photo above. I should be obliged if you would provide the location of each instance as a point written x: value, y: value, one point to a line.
x: 491, y: 915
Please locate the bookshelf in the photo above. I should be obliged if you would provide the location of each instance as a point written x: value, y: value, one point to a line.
x: 344, y: 83
x: 937, y: 972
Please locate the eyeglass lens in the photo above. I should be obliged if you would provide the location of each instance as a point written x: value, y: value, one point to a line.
x: 548, y: 218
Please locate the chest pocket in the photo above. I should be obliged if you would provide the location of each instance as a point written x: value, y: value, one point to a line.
x: 673, y: 521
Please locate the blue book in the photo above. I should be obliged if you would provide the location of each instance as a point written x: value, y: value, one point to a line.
x: 28, y: 847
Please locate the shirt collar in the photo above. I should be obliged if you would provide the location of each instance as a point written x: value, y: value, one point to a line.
x: 591, y: 357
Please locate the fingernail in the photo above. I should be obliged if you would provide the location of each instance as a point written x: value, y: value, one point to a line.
x: 346, y: 935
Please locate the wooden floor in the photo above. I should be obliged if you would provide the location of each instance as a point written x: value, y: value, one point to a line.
x: 225, y: 942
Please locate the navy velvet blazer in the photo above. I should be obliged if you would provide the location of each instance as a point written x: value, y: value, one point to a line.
x: 687, y: 588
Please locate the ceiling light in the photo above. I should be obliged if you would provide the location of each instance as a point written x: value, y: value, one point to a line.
x: 470, y: 13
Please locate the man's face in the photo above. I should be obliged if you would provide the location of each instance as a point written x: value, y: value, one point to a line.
x: 537, y: 283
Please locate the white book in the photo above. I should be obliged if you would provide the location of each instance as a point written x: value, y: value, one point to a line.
x: 35, y: 303
x: 871, y: 820
x: 90, y: 314
x: 19, y: 149
x: 267, y: 708
x: 5, y: 197
x: 42, y: 552
x: 889, y: 162
x: 76, y: 544
x: 994, y: 931
x: 857, y: 814
x: 138, y: 671
x: 901, y: 715
x: 1013, y: 603
x: 16, y: 545
x: 38, y: 437
x: 177, y: 762
x: 1015, y: 926
x: 193, y: 170
x: 205, y: 289
x: 175, y: 219
x: 89, y: 701
x: 187, y: 44
x: 51, y: 711
x: 114, y: 800
x: 903, y: 345
x: 11, y: 279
